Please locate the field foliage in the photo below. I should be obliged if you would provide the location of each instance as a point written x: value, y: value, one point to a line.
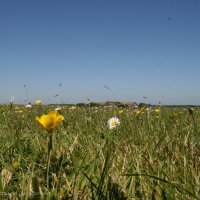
x: 153, y: 154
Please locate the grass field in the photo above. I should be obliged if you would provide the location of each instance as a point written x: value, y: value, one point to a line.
x: 151, y: 154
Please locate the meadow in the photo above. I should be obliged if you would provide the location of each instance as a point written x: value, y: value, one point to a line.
x: 153, y: 153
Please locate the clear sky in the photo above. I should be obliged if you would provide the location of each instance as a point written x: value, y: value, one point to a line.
x: 135, y: 47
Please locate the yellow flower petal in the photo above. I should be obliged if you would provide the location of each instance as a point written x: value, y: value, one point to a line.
x: 50, y: 121
x: 60, y: 118
x: 38, y: 102
x: 157, y: 110
x: 120, y: 111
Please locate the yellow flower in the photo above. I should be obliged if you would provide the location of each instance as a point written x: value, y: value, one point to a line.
x: 139, y: 113
x: 157, y: 110
x: 73, y: 108
x: 50, y: 121
x: 15, y: 164
x: 38, y: 102
x: 120, y: 111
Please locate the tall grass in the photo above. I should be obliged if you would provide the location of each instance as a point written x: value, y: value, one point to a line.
x: 148, y: 156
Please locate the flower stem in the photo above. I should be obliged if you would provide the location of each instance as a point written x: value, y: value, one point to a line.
x: 50, y: 145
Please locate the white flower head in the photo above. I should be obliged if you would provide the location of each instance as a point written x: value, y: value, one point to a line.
x: 12, y: 99
x: 58, y: 108
x: 113, y: 122
x: 28, y: 106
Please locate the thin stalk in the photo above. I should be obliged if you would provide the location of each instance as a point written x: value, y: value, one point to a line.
x: 50, y: 146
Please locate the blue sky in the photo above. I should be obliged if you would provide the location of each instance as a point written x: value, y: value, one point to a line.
x: 135, y: 47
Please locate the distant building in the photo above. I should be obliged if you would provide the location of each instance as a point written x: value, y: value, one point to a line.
x: 112, y: 104
x: 120, y: 104
x: 130, y: 104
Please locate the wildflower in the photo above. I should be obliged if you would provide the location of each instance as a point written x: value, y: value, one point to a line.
x: 58, y: 108
x: 120, y: 111
x: 139, y: 113
x: 15, y: 164
x: 73, y: 108
x: 113, y: 122
x: 157, y: 110
x: 28, y: 106
x: 12, y: 99
x: 50, y: 121
x: 38, y: 102
x: 19, y: 111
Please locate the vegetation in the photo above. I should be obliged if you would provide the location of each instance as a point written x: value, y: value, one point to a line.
x: 151, y: 154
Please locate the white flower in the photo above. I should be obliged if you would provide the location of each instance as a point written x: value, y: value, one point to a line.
x: 12, y: 99
x: 28, y: 106
x: 57, y: 109
x: 113, y: 122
